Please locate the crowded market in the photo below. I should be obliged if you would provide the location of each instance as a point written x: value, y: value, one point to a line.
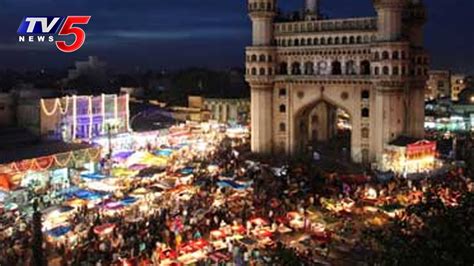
x: 195, y: 196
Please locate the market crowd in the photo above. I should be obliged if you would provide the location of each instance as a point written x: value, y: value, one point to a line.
x: 138, y: 237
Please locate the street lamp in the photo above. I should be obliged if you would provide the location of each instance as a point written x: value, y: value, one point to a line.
x: 113, y: 125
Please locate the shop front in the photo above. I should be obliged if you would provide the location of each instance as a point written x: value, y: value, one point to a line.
x: 412, y: 158
x: 46, y: 178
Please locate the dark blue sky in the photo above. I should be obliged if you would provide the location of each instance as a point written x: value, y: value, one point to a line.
x: 211, y: 33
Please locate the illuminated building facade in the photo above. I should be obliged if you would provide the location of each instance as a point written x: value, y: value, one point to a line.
x: 438, y: 84
x: 76, y: 118
x: 302, y: 71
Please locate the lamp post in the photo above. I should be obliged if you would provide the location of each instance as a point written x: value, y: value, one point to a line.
x: 38, y: 257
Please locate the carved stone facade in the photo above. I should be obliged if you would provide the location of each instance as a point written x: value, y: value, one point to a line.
x: 375, y: 69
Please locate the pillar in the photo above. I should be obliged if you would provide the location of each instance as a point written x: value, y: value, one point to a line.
x: 261, y: 118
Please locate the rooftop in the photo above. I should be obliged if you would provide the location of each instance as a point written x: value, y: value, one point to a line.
x: 18, y: 144
x: 404, y: 141
x: 40, y: 149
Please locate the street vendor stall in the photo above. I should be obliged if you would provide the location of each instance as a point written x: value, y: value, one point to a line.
x: 410, y: 156
x: 56, y: 216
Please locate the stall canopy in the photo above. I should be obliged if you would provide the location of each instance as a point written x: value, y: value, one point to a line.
x: 122, y: 155
x: 59, y: 231
x: 234, y: 185
x: 87, y: 195
x: 164, y: 152
x: 94, y: 176
x: 128, y: 201
x: 187, y: 170
x: 5, y: 182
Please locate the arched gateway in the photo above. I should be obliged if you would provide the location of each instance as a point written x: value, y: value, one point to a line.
x: 372, y: 70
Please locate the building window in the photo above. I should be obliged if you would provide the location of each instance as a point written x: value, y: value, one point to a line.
x: 376, y: 70
x: 365, y: 156
x: 365, y: 133
x: 336, y: 68
x: 283, y: 68
x: 254, y: 71
x: 262, y: 58
x: 395, y: 55
x: 296, y: 69
x: 309, y: 68
x: 365, y: 67
x: 282, y: 92
x: 365, y: 112
x: 384, y: 55
x: 282, y: 108
x: 282, y: 127
x: 365, y: 94
x: 385, y: 70
x: 395, y: 71
x: 262, y: 71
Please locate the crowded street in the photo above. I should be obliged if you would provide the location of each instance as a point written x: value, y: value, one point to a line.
x: 201, y: 200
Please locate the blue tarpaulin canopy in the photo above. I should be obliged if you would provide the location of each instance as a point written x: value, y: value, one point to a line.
x: 164, y: 152
x: 187, y: 170
x: 94, y: 176
x: 128, y: 200
x: 88, y: 195
x: 59, y: 231
x: 233, y: 184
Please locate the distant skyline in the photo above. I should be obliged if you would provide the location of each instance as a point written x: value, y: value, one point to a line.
x: 172, y: 34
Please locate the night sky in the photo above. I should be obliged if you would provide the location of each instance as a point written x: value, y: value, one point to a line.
x: 174, y: 34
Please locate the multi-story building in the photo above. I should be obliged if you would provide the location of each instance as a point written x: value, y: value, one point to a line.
x: 72, y: 118
x: 458, y: 83
x: 438, y: 84
x: 7, y: 110
x: 302, y: 71
x: 92, y: 67
x: 232, y: 110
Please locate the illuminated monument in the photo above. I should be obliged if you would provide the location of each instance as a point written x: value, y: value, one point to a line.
x: 305, y: 71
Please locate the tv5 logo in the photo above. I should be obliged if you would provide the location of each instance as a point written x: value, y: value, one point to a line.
x: 37, y: 27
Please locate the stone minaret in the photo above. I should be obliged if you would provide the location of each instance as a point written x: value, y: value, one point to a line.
x: 416, y: 20
x: 262, y: 14
x: 311, y: 9
x: 390, y: 14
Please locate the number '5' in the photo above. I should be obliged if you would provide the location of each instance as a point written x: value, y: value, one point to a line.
x: 68, y: 28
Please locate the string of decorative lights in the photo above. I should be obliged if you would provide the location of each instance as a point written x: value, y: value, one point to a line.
x: 39, y: 167
x: 91, y: 117
x: 102, y: 109
x: 74, y: 116
x: 45, y: 109
x: 86, y: 103
x: 61, y: 110
x: 127, y: 112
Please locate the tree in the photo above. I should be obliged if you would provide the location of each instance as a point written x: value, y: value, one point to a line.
x: 434, y: 235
